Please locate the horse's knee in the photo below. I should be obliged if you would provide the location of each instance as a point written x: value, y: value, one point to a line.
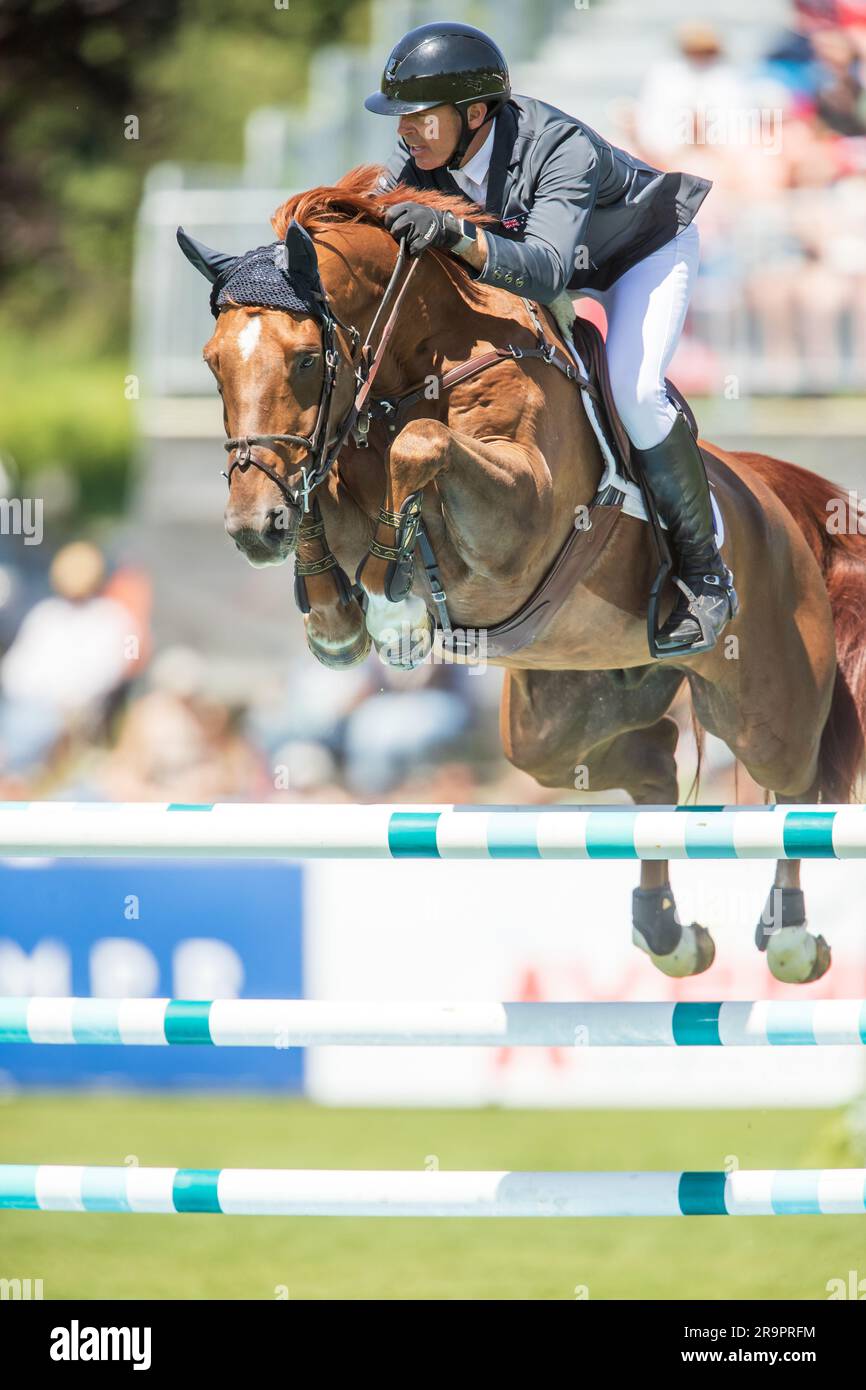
x: 421, y: 447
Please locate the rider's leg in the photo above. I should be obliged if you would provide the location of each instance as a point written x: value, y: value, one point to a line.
x: 646, y: 310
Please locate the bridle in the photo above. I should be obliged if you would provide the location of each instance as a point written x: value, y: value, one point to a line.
x: 322, y: 447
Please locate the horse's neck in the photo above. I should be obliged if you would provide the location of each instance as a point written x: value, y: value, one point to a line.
x: 437, y: 324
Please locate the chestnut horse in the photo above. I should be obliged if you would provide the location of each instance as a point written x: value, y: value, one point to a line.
x: 502, y: 462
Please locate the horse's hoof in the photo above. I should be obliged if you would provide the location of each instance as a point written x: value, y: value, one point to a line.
x: 785, y: 907
x: 405, y: 647
x: 654, y: 917
x: 796, y: 957
x: 694, y: 953
x: 341, y: 658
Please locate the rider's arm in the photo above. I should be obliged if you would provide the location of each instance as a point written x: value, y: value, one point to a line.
x: 553, y: 249
x: 476, y: 254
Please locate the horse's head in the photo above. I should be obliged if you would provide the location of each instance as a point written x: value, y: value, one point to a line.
x: 285, y: 372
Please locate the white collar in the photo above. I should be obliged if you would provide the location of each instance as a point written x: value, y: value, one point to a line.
x: 478, y: 167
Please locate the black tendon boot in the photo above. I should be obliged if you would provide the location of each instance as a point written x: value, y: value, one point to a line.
x: 676, y: 477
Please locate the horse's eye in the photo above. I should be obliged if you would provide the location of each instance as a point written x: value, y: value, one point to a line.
x: 307, y: 362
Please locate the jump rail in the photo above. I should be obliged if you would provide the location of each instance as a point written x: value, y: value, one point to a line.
x: 284, y: 1023
x: 445, y: 832
x: 97, y: 829
x: 332, y: 1192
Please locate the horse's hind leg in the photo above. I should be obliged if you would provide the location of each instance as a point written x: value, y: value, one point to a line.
x: 794, y: 955
x: 605, y: 729
x: 770, y: 708
x: 675, y: 948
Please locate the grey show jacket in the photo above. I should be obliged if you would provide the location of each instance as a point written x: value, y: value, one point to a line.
x: 574, y: 211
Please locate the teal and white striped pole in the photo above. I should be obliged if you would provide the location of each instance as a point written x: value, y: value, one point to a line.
x: 295, y: 831
x: 332, y: 1192
x: 284, y: 1023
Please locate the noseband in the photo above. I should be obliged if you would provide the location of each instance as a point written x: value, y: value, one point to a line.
x: 321, y: 448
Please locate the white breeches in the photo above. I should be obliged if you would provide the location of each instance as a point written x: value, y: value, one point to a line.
x: 646, y: 310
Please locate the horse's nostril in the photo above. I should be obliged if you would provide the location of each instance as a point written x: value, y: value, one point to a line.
x: 277, y: 525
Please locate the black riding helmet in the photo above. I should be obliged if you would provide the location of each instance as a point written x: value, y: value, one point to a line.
x: 438, y: 63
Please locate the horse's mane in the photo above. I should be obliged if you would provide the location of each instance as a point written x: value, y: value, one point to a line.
x: 355, y: 198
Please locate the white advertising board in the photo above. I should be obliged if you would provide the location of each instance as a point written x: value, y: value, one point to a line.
x: 517, y: 930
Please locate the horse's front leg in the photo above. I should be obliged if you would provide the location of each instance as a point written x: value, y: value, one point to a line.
x: 488, y: 509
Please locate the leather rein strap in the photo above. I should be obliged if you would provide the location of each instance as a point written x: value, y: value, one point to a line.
x: 371, y: 361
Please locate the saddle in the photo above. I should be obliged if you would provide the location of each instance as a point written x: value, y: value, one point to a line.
x: 589, y: 346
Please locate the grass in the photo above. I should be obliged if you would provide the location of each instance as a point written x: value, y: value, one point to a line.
x: 195, y: 1257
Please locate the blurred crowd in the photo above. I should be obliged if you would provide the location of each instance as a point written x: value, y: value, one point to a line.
x: 88, y: 710
x: 90, y: 707
x: 783, y: 233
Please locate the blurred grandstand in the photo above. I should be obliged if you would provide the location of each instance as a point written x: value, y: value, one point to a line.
x: 142, y: 659
x: 766, y: 100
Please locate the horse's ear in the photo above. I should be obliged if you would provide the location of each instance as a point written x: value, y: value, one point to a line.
x: 302, y: 251
x: 210, y: 263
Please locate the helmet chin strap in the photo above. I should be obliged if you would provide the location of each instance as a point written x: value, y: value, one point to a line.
x: 465, y: 138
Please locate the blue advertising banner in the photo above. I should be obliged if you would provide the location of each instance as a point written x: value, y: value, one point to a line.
x: 180, y: 929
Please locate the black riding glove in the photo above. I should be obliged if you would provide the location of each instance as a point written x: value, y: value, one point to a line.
x: 422, y: 226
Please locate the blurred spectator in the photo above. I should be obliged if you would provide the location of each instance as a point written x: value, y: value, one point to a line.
x: 179, y: 742
x: 69, y: 655
x: 11, y: 604
x: 820, y: 62
x: 840, y: 99
x: 415, y: 717
x: 808, y: 286
x: 687, y: 99
x: 305, y: 770
x: 311, y: 705
x: 781, y: 295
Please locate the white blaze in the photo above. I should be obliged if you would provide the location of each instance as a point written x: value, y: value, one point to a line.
x: 249, y: 337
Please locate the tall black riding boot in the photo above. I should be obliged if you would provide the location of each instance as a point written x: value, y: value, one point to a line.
x: 676, y: 477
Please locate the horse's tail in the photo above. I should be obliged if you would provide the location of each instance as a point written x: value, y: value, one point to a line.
x: 812, y: 500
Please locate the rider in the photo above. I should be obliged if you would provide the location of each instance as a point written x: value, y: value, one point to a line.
x: 574, y: 213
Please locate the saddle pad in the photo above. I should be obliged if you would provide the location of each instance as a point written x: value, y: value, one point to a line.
x: 587, y: 348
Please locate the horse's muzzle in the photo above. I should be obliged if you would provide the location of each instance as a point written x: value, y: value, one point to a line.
x: 268, y: 541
